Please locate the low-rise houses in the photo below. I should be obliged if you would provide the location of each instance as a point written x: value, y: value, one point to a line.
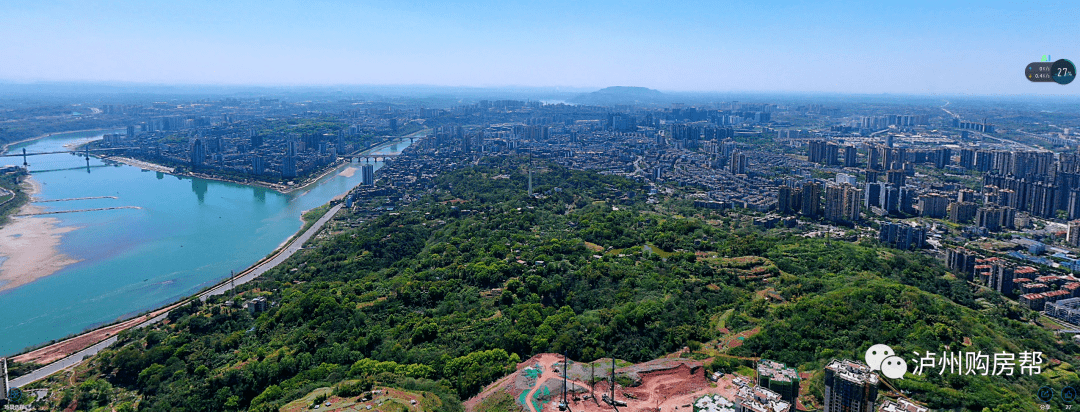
x: 1037, y: 301
x: 1066, y: 309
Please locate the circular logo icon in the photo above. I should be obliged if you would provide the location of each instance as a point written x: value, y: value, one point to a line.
x: 1046, y: 393
x: 1068, y: 394
x: 14, y: 395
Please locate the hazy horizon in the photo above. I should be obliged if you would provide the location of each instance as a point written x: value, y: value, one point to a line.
x: 432, y: 90
x: 920, y: 48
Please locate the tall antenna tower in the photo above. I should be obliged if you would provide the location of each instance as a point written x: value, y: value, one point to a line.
x: 610, y: 400
x: 566, y: 364
x: 613, y: 379
x: 530, y: 180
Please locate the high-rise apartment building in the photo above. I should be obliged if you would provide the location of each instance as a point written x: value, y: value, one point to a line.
x: 258, y: 165
x: 368, y: 175
x: 851, y: 156
x: 288, y: 167
x: 789, y: 199
x: 198, y: 153
x: 933, y: 205
x: 811, y: 199
x: 850, y: 386
x: 779, y: 378
x: 961, y: 261
x: 738, y: 163
x: 1073, y: 235
x: 842, y: 203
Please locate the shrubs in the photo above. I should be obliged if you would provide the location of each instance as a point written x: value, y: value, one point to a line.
x: 354, y: 388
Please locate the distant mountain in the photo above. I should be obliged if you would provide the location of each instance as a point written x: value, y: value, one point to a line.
x: 621, y: 95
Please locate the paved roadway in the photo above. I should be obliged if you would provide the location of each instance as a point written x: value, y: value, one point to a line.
x: 241, y: 279
x: 261, y: 268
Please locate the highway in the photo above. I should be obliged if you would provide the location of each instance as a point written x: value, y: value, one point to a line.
x: 244, y: 277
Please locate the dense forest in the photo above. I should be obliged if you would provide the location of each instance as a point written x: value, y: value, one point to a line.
x: 449, y: 293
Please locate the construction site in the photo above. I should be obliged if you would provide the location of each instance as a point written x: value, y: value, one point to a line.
x: 550, y: 382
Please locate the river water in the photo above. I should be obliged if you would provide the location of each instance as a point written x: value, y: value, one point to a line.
x: 187, y: 234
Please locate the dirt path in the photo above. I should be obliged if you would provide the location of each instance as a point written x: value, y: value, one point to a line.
x: 59, y: 350
x: 547, y: 372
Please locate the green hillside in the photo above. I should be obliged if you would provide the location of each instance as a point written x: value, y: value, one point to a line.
x: 449, y: 293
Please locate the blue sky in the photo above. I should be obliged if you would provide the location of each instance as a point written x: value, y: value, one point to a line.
x: 976, y: 47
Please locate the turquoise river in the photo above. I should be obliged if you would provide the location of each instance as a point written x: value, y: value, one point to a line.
x: 187, y: 234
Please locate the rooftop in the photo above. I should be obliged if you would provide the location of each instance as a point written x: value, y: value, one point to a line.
x: 853, y: 371
x: 901, y: 405
x: 777, y: 371
x: 759, y: 399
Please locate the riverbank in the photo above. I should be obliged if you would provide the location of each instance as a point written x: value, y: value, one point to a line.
x: 74, y: 350
x: 4, y: 148
x: 30, y: 244
x: 277, y: 187
x: 12, y: 195
x: 139, y: 164
x: 174, y: 248
x: 54, y: 352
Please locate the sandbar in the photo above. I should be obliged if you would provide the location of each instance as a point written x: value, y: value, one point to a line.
x: 348, y: 172
x: 140, y: 164
x: 30, y: 245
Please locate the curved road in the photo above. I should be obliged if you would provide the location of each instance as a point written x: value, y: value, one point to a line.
x: 244, y: 277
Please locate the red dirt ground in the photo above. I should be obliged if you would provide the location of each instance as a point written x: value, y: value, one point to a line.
x: 667, y: 390
x: 666, y: 385
x: 59, y: 350
x: 731, y: 342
